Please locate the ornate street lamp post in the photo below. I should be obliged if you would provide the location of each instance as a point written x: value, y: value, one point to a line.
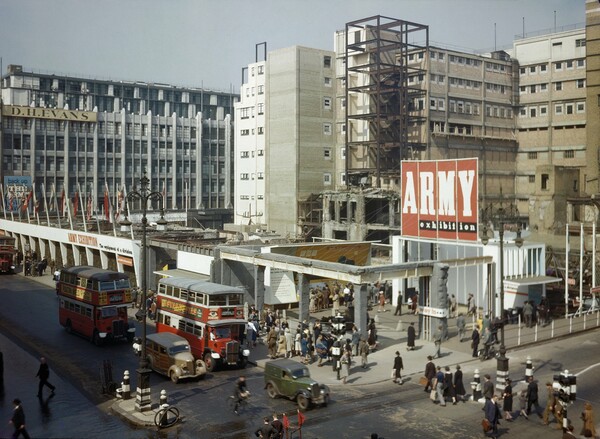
x: 501, y: 215
x: 144, y: 194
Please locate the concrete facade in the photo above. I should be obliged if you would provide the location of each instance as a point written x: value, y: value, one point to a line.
x: 181, y: 137
x: 551, y: 127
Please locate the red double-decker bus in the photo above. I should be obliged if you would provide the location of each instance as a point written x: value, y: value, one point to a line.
x: 7, y: 254
x: 210, y: 316
x: 93, y: 302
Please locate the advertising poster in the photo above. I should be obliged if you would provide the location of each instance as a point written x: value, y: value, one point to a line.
x: 16, y: 191
x: 439, y: 199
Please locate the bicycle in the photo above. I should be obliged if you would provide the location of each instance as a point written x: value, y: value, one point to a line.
x: 233, y: 399
x: 166, y: 417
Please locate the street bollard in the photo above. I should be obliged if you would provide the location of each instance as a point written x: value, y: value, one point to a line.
x: 163, y: 399
x: 125, y: 387
x: 528, y: 368
x: 476, y: 386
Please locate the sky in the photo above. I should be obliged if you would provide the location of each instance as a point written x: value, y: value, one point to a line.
x: 206, y: 43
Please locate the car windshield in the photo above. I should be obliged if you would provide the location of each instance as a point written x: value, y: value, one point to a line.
x: 179, y: 348
x: 299, y: 373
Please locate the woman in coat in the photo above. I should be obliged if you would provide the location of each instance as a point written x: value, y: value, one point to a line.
x: 459, y: 387
x: 412, y: 335
x: 587, y: 416
x: 507, y: 397
x: 449, y: 391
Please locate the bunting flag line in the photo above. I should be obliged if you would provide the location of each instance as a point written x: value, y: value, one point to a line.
x: 75, y: 204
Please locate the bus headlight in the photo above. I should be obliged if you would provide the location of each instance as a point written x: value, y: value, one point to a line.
x: 246, y: 352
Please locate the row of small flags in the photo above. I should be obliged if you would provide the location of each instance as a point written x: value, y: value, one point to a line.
x: 14, y: 204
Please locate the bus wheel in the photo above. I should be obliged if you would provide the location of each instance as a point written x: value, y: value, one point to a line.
x: 242, y: 363
x: 210, y: 362
x: 69, y: 327
x: 96, y: 338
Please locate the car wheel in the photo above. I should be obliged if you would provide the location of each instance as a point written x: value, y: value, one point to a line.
x: 174, y: 377
x: 325, y: 400
x: 69, y: 327
x: 210, y: 362
x: 303, y: 402
x: 271, y: 391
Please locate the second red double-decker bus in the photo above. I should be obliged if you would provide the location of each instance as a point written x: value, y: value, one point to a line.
x: 7, y: 254
x: 93, y: 302
x: 210, y: 316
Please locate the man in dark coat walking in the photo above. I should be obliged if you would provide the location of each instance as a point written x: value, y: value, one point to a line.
x: 429, y: 373
x: 532, y: 397
x: 475, y: 341
x: 492, y: 414
x: 18, y: 420
x: 43, y: 374
x: 398, y: 366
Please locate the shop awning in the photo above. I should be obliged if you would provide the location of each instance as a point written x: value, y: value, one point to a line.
x: 532, y: 280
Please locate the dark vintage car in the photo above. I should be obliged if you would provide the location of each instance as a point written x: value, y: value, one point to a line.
x: 292, y: 380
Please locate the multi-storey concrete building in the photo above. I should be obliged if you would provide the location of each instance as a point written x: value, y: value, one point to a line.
x: 552, y: 159
x: 407, y: 101
x: 85, y: 135
x: 285, y: 140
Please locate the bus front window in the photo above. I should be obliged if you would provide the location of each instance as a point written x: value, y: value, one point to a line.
x: 222, y: 332
x: 109, y: 311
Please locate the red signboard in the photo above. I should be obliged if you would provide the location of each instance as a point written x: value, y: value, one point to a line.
x: 439, y: 199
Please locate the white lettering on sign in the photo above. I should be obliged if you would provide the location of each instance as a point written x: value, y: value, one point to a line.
x: 446, y: 196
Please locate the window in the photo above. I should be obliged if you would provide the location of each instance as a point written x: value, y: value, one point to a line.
x: 558, y: 86
x: 452, y: 105
x: 244, y: 176
x: 523, y: 111
x: 244, y: 154
x: 543, y: 110
x: 327, y: 129
x: 327, y: 62
x: 523, y: 89
x: 581, y: 107
x: 261, y: 108
x: 532, y: 179
x: 532, y: 112
x: 543, y: 87
x: 569, y: 154
x: 522, y: 70
x: 327, y: 103
x: 557, y: 66
x: 327, y: 153
x: 532, y: 69
x: 260, y: 152
x: 569, y: 64
x: 261, y: 70
x: 569, y: 108
x: 532, y: 155
x: 545, y: 180
x: 580, y: 83
x: 245, y: 112
x: 543, y: 68
x: 441, y: 56
x: 261, y: 130
x: 441, y: 104
x: 260, y: 175
x: 581, y: 63
x: 580, y: 42
x: 245, y: 132
x: 261, y: 89
x: 327, y: 81
x: 327, y: 178
x: 558, y: 109
x: 532, y: 88
x: 475, y: 108
x: 556, y: 44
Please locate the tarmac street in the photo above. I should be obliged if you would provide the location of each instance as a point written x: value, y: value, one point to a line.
x: 369, y: 399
